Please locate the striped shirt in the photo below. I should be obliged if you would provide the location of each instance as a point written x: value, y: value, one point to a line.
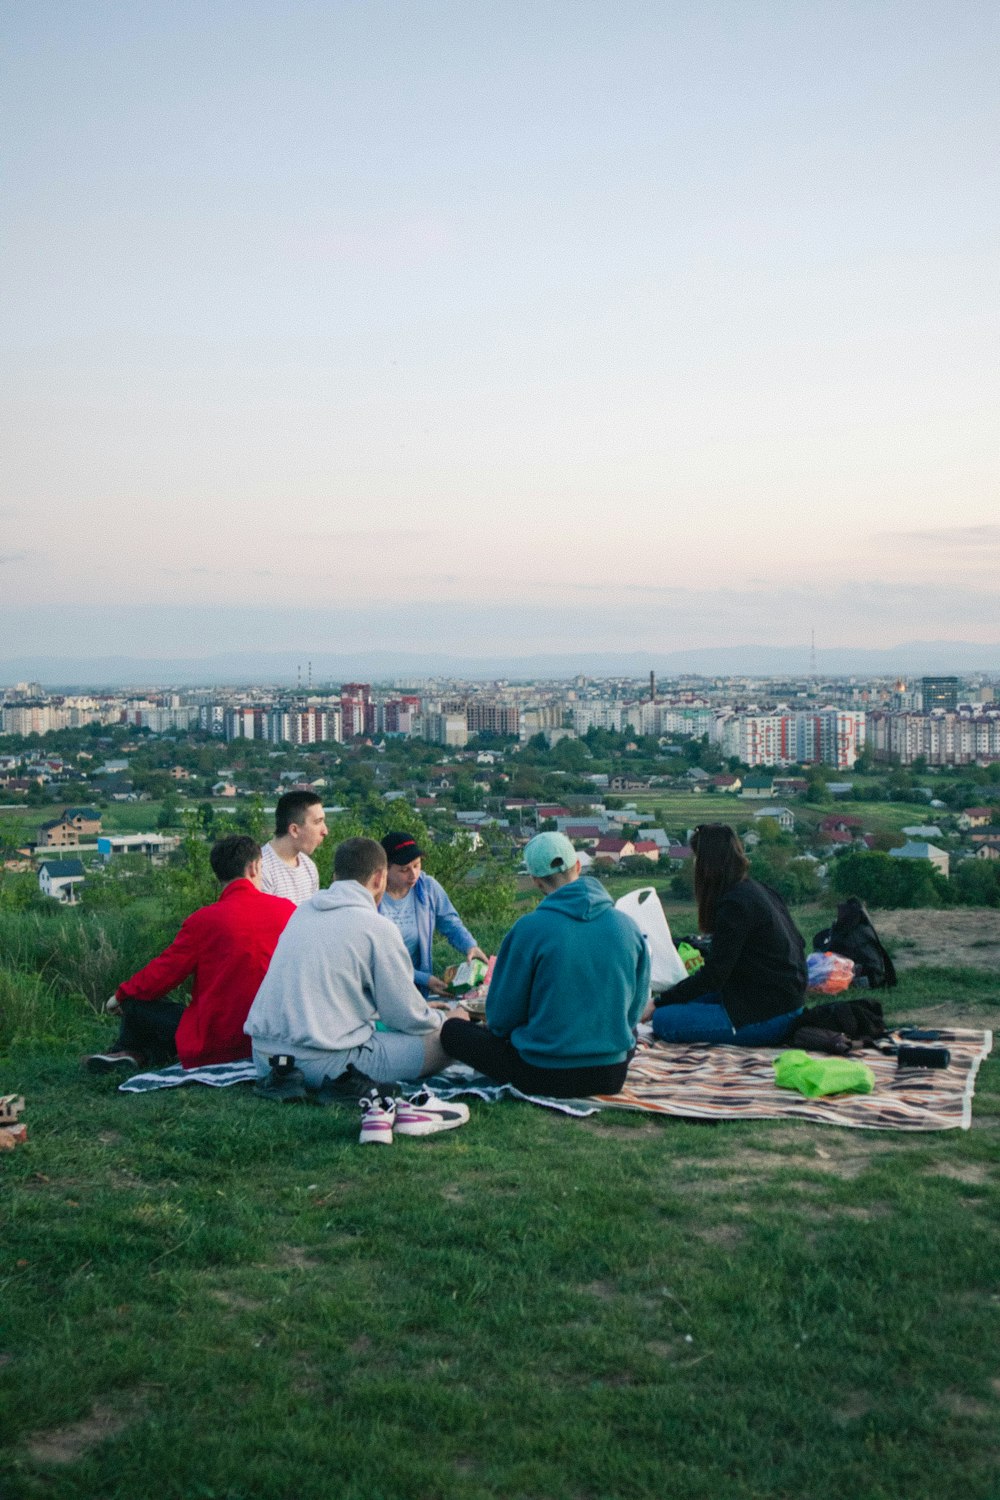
x: 295, y: 882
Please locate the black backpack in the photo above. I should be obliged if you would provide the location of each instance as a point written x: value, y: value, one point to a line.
x: 857, y: 1020
x: 853, y: 935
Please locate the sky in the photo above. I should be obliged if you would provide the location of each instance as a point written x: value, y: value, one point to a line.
x: 527, y: 325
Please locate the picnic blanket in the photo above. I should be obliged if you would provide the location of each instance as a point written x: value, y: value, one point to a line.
x: 709, y: 1083
x: 737, y: 1083
x: 448, y: 1085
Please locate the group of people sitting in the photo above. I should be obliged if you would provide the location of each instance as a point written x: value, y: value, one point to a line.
x: 341, y: 978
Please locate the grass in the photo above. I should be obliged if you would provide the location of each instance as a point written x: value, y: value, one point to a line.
x: 205, y: 1296
x: 679, y: 811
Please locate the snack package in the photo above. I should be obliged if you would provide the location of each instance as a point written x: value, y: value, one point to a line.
x: 690, y: 957
x: 467, y: 976
x: 829, y: 973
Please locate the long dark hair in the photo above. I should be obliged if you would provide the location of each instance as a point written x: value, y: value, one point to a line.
x: 719, y: 864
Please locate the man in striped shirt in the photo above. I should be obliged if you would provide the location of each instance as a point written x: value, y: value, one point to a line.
x: 299, y: 829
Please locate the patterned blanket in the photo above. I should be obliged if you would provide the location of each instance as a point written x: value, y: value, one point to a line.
x: 737, y: 1083
x: 712, y: 1083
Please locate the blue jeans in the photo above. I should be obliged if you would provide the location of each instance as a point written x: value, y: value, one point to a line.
x: 706, y: 1020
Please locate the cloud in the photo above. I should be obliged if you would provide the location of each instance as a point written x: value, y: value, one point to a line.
x: 7, y: 559
x: 951, y: 538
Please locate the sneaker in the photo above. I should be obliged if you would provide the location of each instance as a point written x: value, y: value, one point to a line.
x: 426, y: 1115
x: 285, y: 1083
x: 351, y: 1086
x: 113, y: 1062
x: 377, y: 1116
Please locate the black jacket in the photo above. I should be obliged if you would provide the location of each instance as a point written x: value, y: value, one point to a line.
x: 757, y: 965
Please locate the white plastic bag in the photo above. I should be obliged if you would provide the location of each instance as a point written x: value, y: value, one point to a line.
x: 644, y: 908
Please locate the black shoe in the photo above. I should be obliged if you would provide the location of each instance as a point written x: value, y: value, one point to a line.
x: 285, y: 1083
x: 114, y: 1062
x: 349, y: 1087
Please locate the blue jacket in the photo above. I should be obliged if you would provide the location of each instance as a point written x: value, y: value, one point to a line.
x: 571, y: 981
x: 434, y: 911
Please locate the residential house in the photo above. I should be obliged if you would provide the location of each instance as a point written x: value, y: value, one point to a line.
x: 783, y: 816
x: 69, y: 828
x: 59, y: 879
x: 726, y: 783
x: 841, y: 823
x: 914, y: 850
x: 757, y: 786
x: 922, y: 831
x: 989, y: 849
x: 611, y: 851
x: 975, y: 817
x: 647, y: 849
x: 152, y: 845
x: 676, y: 854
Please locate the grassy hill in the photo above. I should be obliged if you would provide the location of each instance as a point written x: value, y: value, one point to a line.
x: 204, y: 1295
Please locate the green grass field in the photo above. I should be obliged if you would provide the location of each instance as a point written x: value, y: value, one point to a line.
x: 208, y: 1296
x: 683, y: 810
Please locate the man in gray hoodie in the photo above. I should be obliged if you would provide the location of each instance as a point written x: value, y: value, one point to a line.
x: 338, y: 968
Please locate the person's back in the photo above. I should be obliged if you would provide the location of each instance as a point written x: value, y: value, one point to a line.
x: 568, y: 986
x: 236, y: 937
x: 339, y: 968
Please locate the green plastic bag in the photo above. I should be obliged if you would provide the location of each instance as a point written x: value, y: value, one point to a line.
x: 814, y: 1076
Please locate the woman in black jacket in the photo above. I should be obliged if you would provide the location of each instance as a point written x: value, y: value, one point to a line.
x: 753, y: 984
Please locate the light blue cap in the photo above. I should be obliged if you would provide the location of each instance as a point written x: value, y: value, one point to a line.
x: 549, y: 854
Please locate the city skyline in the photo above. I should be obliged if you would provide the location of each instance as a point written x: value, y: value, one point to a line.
x: 583, y: 328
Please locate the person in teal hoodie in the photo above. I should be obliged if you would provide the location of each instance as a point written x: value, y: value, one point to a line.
x: 570, y: 985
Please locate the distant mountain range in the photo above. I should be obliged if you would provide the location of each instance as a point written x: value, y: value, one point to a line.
x: 910, y: 659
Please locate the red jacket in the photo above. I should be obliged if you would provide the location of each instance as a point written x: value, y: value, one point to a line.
x: 227, y: 947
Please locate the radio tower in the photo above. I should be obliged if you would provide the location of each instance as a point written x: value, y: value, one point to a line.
x: 812, y: 656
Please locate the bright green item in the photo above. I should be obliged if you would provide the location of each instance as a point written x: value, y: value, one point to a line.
x: 690, y: 957
x: 468, y: 976
x: 814, y: 1076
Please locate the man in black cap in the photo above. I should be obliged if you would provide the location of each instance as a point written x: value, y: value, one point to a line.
x: 419, y: 906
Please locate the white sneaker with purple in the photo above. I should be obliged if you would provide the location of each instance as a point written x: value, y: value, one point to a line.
x: 377, y: 1117
x: 426, y: 1115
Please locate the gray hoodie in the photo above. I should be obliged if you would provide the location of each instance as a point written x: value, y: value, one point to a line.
x: 337, y: 966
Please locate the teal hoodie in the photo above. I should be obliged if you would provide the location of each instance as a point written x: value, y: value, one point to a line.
x: 571, y: 981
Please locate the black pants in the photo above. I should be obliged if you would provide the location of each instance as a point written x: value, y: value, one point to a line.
x: 496, y: 1057
x: 149, y: 1027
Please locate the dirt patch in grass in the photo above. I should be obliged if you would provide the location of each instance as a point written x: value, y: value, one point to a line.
x: 946, y: 939
x: 725, y: 1236
x: 960, y: 1405
x: 294, y: 1258
x: 732, y: 1170
x: 64, y: 1445
x: 452, y: 1193
x: 852, y: 1406
x: 235, y: 1301
x: 605, y: 1290
x: 970, y: 1172
x: 619, y: 1132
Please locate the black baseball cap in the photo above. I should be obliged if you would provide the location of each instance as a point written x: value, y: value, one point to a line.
x: 401, y: 848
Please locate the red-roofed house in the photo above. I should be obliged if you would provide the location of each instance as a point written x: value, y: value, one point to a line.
x: 838, y: 823
x: 613, y: 850
x: 648, y: 848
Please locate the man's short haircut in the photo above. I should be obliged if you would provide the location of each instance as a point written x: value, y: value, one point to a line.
x: 358, y: 859
x: 291, y: 808
x: 230, y: 856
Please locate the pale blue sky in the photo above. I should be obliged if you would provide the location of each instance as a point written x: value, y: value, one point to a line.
x: 659, y: 324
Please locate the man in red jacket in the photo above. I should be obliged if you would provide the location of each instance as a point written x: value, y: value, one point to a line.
x: 227, y: 947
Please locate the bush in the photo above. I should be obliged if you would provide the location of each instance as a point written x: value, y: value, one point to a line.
x: 881, y: 881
